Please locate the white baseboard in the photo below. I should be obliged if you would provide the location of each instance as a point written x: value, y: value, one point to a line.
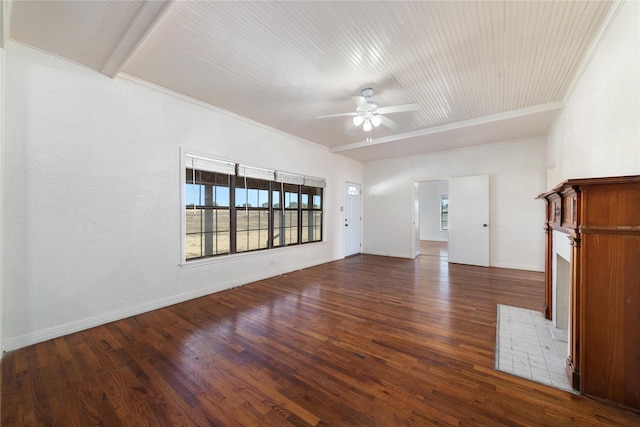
x: 395, y: 255
x: 517, y: 267
x: 45, y: 334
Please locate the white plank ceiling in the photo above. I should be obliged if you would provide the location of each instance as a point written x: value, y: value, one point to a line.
x: 482, y: 71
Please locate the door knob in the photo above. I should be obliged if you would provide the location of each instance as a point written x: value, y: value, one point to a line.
x: 485, y: 225
x: 346, y: 225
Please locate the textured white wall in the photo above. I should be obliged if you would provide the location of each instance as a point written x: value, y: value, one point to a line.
x: 598, y: 132
x: 1, y: 198
x: 430, y: 193
x: 92, y: 200
x: 517, y: 176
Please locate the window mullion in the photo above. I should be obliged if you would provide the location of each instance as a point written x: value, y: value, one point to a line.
x: 283, y: 222
x: 208, y: 220
x: 299, y: 214
x: 270, y: 218
x: 232, y: 215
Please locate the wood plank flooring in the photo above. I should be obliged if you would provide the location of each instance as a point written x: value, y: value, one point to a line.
x: 434, y: 248
x: 365, y: 341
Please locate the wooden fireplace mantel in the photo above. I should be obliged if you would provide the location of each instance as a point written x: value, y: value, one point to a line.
x: 601, y: 218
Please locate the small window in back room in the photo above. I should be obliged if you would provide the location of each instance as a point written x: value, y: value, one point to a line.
x: 444, y: 213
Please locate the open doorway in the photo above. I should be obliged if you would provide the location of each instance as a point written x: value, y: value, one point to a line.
x: 467, y: 218
x: 434, y: 218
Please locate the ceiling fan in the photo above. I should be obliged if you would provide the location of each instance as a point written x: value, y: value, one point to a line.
x: 369, y: 114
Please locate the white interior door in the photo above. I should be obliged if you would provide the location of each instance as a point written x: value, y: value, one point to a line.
x: 469, y: 220
x: 415, y: 221
x: 352, y: 219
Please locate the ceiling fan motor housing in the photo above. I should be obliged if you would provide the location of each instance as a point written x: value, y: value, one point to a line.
x: 371, y: 107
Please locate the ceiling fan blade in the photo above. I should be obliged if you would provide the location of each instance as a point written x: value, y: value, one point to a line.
x: 399, y: 108
x: 390, y: 124
x: 337, y: 115
x: 361, y: 102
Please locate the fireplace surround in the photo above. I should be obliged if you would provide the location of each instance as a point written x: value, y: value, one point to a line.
x: 600, y: 218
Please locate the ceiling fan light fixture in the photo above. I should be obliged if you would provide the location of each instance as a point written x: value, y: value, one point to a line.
x: 369, y: 114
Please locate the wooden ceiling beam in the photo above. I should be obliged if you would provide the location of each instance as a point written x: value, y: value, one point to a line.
x: 141, y: 27
x: 535, y: 109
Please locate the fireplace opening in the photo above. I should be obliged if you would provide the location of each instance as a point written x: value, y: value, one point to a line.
x: 562, y: 300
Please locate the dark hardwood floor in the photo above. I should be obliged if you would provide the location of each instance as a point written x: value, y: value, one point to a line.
x: 366, y: 341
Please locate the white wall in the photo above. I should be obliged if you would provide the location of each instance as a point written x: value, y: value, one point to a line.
x: 598, y: 132
x: 517, y: 176
x: 430, y: 193
x: 2, y: 56
x: 92, y: 205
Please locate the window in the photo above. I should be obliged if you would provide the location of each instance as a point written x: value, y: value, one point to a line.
x: 207, y: 214
x: 285, y: 225
x: 232, y: 208
x: 444, y: 213
x: 252, y: 214
x: 311, y: 201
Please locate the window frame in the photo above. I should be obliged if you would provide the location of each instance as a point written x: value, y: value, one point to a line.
x: 444, y: 224
x: 274, y: 190
x: 289, y: 212
x: 310, y: 210
x: 206, y: 209
x: 242, y: 183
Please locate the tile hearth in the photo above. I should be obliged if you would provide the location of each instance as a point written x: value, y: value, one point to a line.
x: 525, y: 346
